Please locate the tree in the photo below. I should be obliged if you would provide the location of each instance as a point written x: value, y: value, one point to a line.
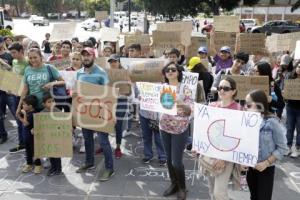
x: 295, y: 6
x: 46, y: 6
x: 92, y: 5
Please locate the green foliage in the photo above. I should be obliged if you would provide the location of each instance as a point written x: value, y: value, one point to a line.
x: 5, y: 32
x: 91, y: 6
x: 45, y: 6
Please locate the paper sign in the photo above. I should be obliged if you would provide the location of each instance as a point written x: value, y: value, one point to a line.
x: 147, y: 70
x: 63, y: 31
x: 252, y: 43
x: 188, y: 86
x: 69, y: 78
x: 292, y: 89
x: 119, y: 78
x: 157, y: 98
x: 53, y: 135
x: 224, y: 39
x: 246, y: 84
x: 61, y: 64
x: 109, y: 34
x: 100, y: 15
x: 11, y: 82
x: 227, y: 23
x: 297, y: 50
x: 226, y: 134
x: 94, y: 107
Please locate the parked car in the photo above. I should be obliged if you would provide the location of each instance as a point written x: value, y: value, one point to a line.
x: 249, y: 23
x: 276, y: 26
x: 207, y: 28
x: 39, y: 20
x: 25, y: 15
x: 90, y: 23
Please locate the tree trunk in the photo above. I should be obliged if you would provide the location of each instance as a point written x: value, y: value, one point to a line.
x: 272, y: 2
x: 215, y: 5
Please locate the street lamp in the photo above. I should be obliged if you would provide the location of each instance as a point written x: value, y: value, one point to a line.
x: 129, y: 18
x: 112, y: 10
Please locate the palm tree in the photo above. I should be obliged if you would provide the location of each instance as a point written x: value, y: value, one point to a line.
x: 295, y: 6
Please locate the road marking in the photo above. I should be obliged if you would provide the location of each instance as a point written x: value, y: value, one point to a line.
x: 289, y: 177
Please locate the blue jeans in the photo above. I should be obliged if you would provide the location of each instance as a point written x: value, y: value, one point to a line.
x: 122, y: 109
x: 292, y: 122
x: 147, y: 139
x: 12, y: 102
x: 174, y: 146
x: 88, y: 136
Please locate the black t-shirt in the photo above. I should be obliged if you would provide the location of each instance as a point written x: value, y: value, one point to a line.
x: 30, y: 120
x: 7, y: 58
x: 47, y: 48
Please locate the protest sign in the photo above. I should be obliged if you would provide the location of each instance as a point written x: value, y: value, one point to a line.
x: 292, y: 89
x: 227, y: 23
x: 196, y: 42
x: 126, y: 62
x: 61, y: 64
x: 226, y: 134
x: 142, y: 39
x: 109, y: 34
x: 252, y: 43
x: 297, y: 50
x: 100, y: 15
x: 188, y: 86
x: 158, y: 98
x: 282, y: 42
x: 94, y: 107
x: 69, y: 78
x: 224, y: 39
x: 11, y: 82
x: 119, y: 78
x: 53, y: 135
x: 102, y: 62
x: 63, y: 31
x: 246, y: 84
x: 149, y: 70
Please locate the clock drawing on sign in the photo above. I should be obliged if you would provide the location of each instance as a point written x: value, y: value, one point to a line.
x: 218, y: 139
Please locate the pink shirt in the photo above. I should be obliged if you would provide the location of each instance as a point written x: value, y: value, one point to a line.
x: 233, y: 106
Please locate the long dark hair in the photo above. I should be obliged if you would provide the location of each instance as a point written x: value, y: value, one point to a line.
x: 179, y: 69
x: 260, y: 98
x: 264, y: 69
x: 294, y: 74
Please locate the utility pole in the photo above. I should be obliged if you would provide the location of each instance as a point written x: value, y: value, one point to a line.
x: 112, y: 11
x: 129, y: 17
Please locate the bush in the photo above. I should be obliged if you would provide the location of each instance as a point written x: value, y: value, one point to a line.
x: 5, y: 32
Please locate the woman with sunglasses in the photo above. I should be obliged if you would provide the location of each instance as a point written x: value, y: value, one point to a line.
x: 272, y: 147
x: 218, y: 182
x: 174, y: 131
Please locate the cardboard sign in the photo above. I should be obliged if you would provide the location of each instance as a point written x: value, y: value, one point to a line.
x: 292, y: 89
x: 147, y: 70
x: 188, y: 86
x: 224, y: 39
x: 157, y: 98
x: 63, y: 31
x: 227, y: 23
x: 142, y: 39
x: 53, y: 135
x: 126, y: 62
x: 11, y: 82
x: 196, y: 42
x: 252, y: 43
x: 297, y: 50
x: 246, y: 84
x: 109, y: 34
x: 94, y: 107
x: 282, y: 42
x: 102, y: 62
x: 226, y: 134
x: 61, y: 64
x: 100, y: 15
x: 119, y: 78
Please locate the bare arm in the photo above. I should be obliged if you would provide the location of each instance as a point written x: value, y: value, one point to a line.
x: 212, y: 47
x: 23, y: 94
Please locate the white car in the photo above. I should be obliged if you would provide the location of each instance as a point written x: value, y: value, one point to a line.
x: 91, y: 23
x: 39, y: 20
x: 249, y: 23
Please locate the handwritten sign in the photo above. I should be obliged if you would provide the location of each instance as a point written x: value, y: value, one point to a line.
x: 11, y: 82
x: 63, y: 31
x: 53, y: 135
x: 188, y: 86
x: 109, y: 34
x: 224, y: 39
x: 100, y: 15
x: 246, y: 84
x: 226, y: 134
x: 61, y: 64
x: 292, y: 89
x: 158, y: 98
x: 252, y: 43
x: 227, y: 23
x: 119, y: 78
x: 94, y: 107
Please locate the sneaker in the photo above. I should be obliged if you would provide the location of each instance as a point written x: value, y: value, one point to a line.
x: 295, y: 153
x: 37, y: 169
x: 82, y: 149
x: 162, y: 163
x: 146, y: 160
x: 51, y: 172
x: 189, y: 147
x: 125, y: 133
x: 106, y: 175
x: 99, y: 150
x: 27, y: 168
x: 54, y: 172
x: 17, y: 149
x: 118, y: 153
x: 85, y: 168
x: 288, y: 152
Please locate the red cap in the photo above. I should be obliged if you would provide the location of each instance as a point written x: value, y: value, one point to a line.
x: 89, y: 50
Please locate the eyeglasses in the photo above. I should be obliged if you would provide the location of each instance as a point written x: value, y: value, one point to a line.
x: 170, y: 69
x: 224, y: 88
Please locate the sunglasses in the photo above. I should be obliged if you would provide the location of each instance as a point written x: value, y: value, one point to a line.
x: 170, y: 69
x: 224, y: 88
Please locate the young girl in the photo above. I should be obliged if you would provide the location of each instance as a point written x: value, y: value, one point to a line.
x: 29, y: 105
x: 272, y: 147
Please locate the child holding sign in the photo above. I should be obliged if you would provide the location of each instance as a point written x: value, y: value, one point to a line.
x: 29, y: 105
x: 49, y: 104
